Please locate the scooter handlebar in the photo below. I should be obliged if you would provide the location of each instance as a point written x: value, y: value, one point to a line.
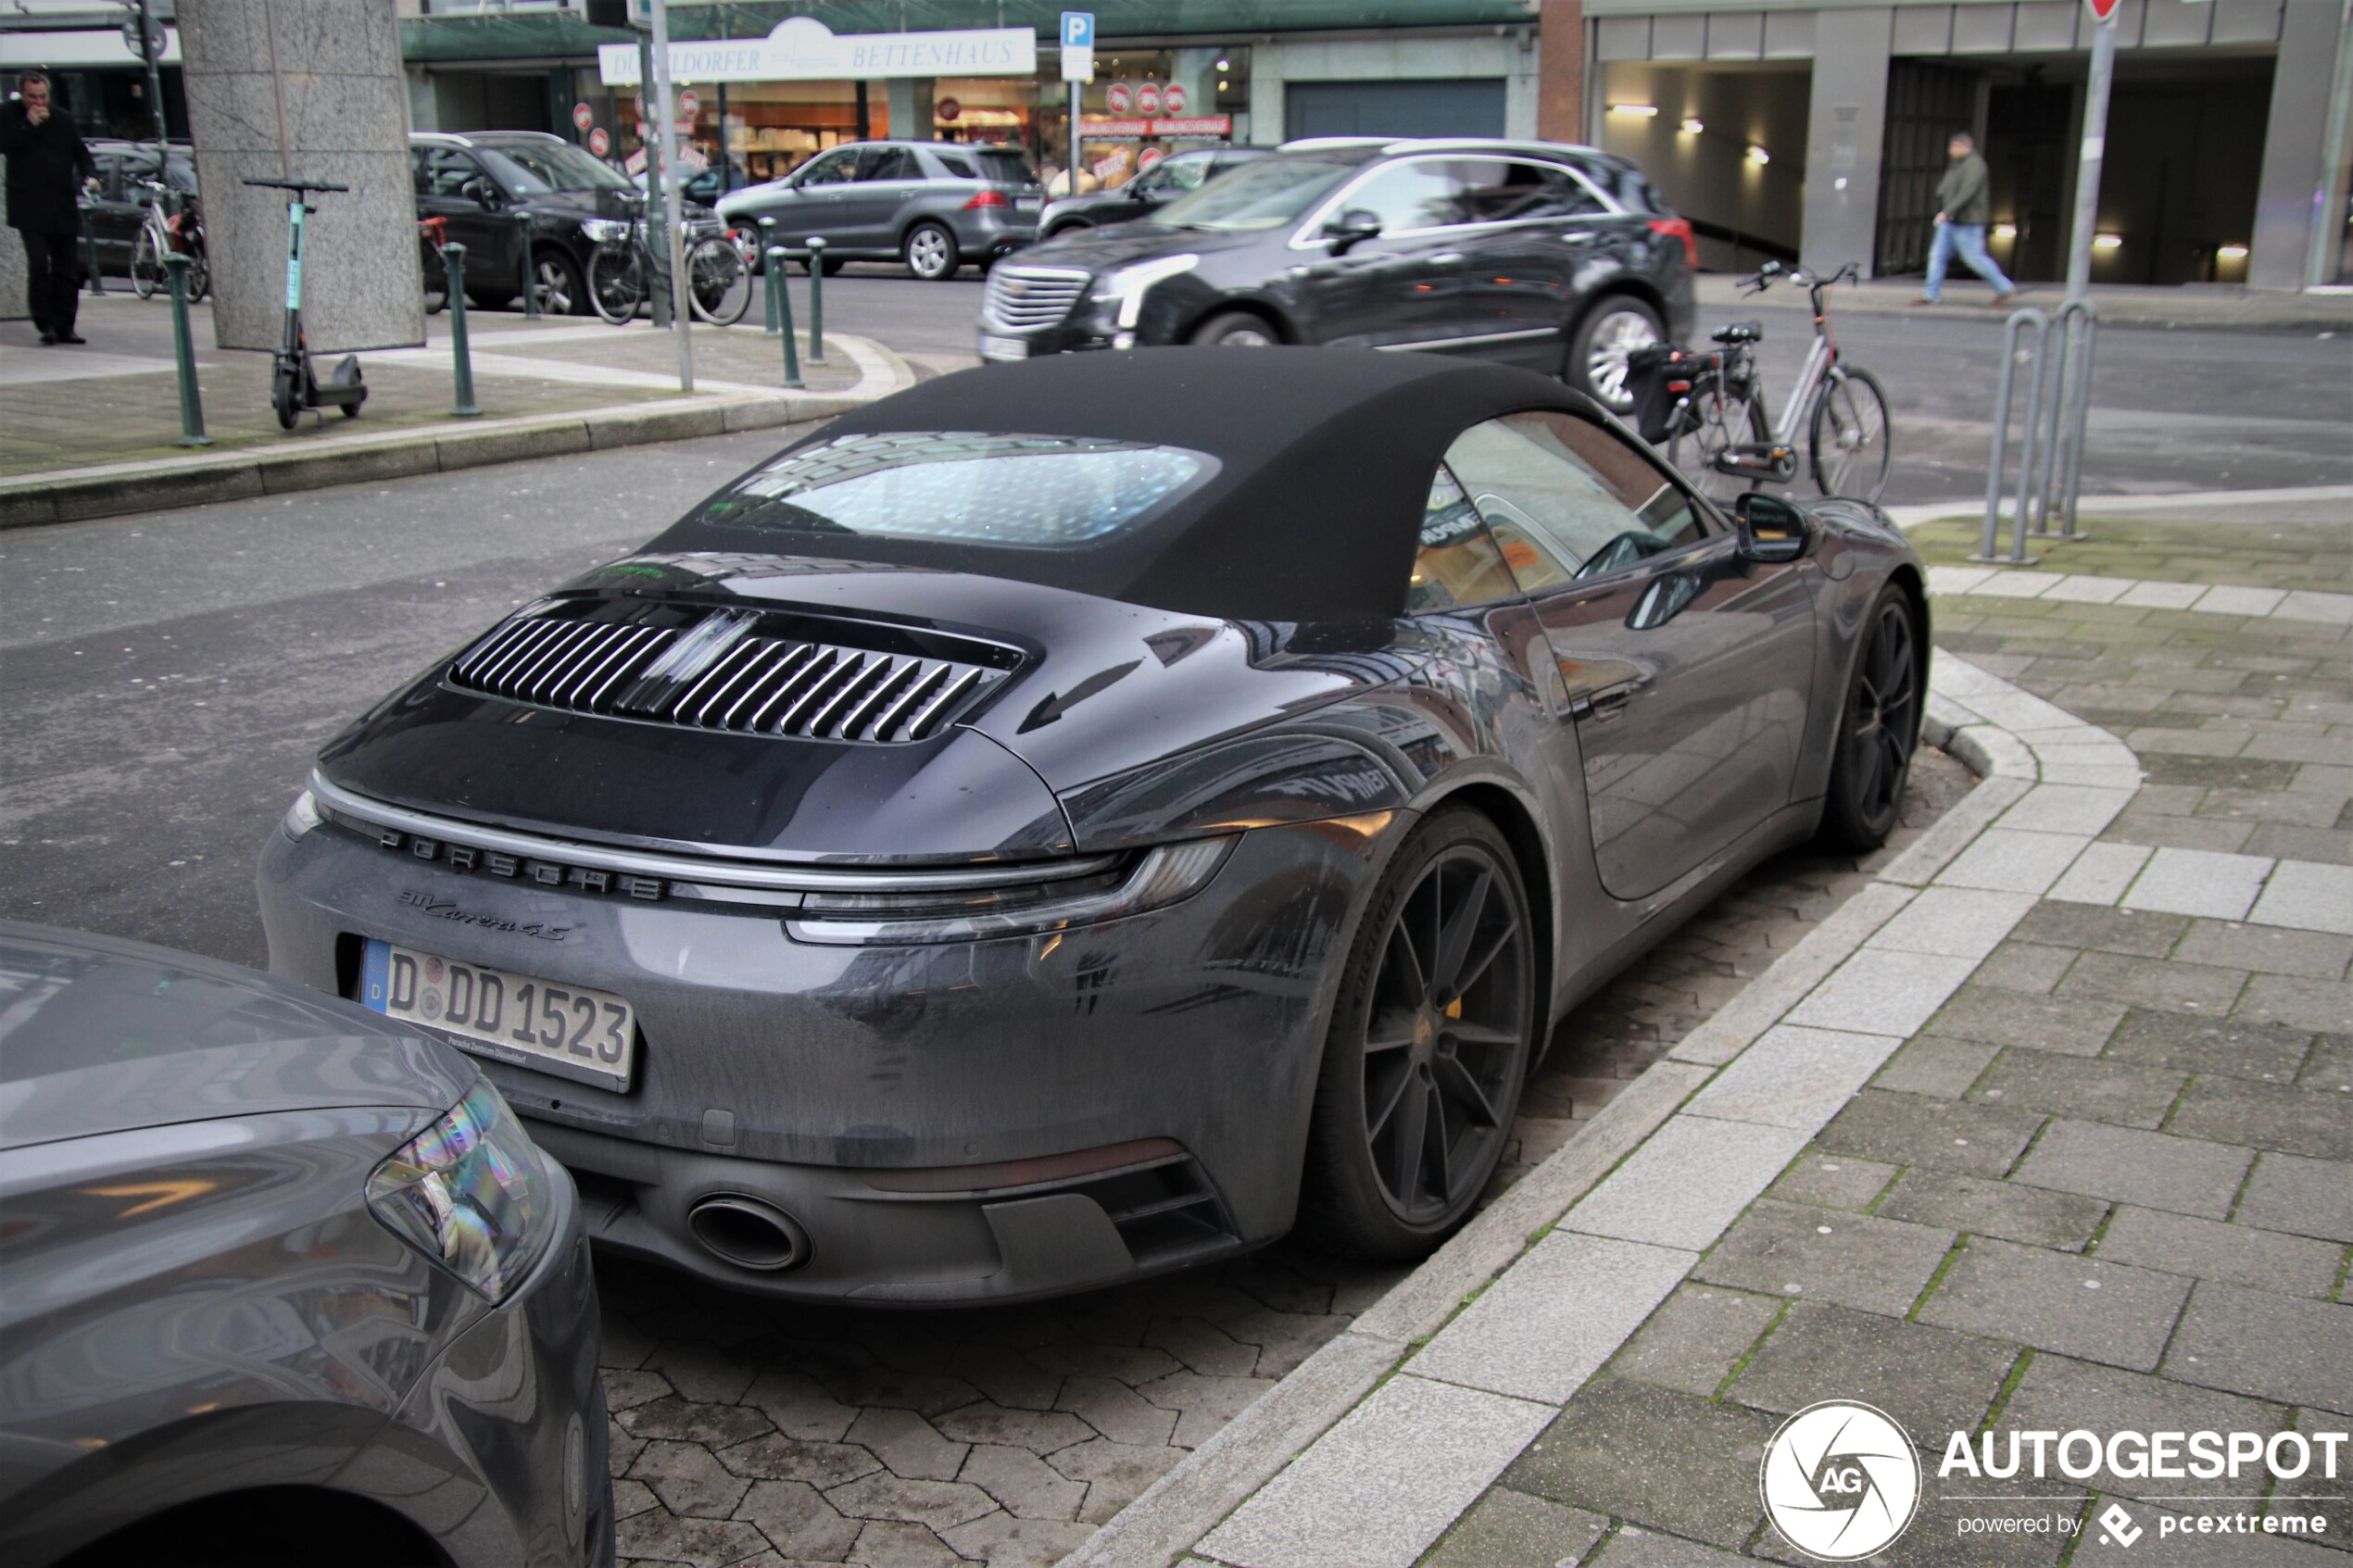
x: 297, y: 185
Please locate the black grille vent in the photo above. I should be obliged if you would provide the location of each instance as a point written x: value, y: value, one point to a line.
x: 723, y: 670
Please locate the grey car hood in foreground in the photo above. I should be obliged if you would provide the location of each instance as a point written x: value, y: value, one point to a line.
x: 100, y: 1036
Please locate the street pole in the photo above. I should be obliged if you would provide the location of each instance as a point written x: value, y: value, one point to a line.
x: 1074, y: 138
x: 659, y: 267
x: 155, y: 79
x: 2087, y: 173
x: 666, y: 135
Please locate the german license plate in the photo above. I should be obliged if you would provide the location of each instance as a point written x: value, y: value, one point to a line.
x: 1024, y: 204
x: 1002, y: 347
x: 570, y: 1031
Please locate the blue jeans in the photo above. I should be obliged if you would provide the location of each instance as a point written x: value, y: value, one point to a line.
x: 1969, y: 240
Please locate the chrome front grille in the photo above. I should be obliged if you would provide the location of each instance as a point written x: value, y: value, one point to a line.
x: 720, y: 672
x: 1025, y: 298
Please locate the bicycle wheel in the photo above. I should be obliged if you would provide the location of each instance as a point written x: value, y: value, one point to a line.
x: 1725, y: 420
x: 616, y: 283
x: 199, y: 277
x: 1852, y: 442
x: 147, y: 266
x: 718, y: 282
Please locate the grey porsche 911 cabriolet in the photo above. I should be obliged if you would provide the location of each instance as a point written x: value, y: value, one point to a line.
x: 1059, y: 824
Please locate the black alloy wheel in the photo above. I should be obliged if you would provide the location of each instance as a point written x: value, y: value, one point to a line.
x: 1429, y: 1041
x: 558, y: 281
x: 1235, y: 329
x: 1877, y: 732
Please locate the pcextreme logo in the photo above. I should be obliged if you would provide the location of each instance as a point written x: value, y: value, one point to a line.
x: 1840, y: 1480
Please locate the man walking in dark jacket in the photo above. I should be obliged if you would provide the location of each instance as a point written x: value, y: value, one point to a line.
x: 1965, y: 202
x: 47, y: 166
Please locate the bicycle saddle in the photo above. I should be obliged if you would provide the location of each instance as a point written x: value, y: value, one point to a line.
x: 1739, y: 331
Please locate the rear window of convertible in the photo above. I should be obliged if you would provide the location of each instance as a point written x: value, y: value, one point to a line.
x: 1042, y: 491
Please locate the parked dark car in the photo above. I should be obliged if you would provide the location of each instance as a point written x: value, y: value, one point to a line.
x: 119, y: 207
x: 285, y: 1284
x: 1559, y: 258
x: 935, y: 206
x: 483, y: 180
x: 1067, y: 821
x: 1146, y: 193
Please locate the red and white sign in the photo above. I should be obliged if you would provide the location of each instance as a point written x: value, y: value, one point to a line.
x: 582, y: 117
x: 688, y: 104
x: 1198, y: 125
x: 1118, y: 99
x: 1104, y: 127
x: 2102, y: 10
x: 1172, y: 97
x: 1147, y: 99
x: 599, y: 143
x: 948, y: 108
x: 1150, y: 157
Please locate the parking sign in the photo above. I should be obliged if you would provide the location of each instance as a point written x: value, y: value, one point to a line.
x: 1078, y: 45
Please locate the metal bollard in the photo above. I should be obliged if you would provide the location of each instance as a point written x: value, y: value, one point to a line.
x: 2062, y: 446
x: 769, y: 272
x: 816, y: 299
x: 2024, y: 317
x: 530, y: 272
x: 780, y: 312
x: 183, y: 350
x: 90, y: 245
x: 453, y: 262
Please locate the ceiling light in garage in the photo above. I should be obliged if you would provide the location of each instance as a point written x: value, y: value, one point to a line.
x: 2107, y: 242
x: 1694, y: 126
x: 2006, y: 231
x: 1758, y: 154
x: 1642, y: 110
x: 2231, y: 252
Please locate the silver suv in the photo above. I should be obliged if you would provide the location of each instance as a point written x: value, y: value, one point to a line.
x: 933, y: 204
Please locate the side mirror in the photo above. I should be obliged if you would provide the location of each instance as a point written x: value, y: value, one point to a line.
x: 1352, y: 229
x: 1771, y: 528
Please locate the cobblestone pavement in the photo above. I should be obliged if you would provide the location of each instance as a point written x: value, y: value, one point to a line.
x: 744, y: 1432
x: 2105, y: 1182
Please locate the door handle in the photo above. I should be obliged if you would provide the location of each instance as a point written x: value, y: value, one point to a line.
x: 1605, y: 704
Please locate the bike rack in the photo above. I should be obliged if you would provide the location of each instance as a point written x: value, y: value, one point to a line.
x: 2050, y: 461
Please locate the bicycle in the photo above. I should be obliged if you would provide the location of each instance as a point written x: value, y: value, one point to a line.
x: 621, y: 272
x: 1723, y: 440
x: 432, y: 234
x: 160, y: 233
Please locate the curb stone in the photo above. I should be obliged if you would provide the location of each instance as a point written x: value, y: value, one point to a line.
x: 110, y: 490
x: 1212, y: 1483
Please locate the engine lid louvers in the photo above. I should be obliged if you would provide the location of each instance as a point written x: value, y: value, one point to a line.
x: 719, y: 670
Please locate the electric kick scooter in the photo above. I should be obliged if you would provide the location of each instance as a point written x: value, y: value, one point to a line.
x: 294, y: 383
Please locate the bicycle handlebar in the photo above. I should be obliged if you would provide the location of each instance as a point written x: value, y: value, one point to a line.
x: 297, y: 185
x: 1762, y: 279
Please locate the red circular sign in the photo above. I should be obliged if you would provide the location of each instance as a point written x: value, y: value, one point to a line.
x: 1172, y: 97
x: 1148, y: 98
x: 599, y: 143
x: 1150, y: 157
x: 583, y: 115
x: 948, y: 108
x: 688, y: 104
x: 1116, y: 98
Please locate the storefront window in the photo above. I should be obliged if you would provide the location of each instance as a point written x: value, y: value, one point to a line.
x: 1142, y: 106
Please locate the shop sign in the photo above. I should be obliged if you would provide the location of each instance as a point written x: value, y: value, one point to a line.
x: 804, y: 49
x: 599, y: 143
x: 1172, y: 97
x: 1147, y: 99
x: 689, y: 106
x: 1150, y: 157
x: 1107, y: 127
x: 948, y: 108
x: 1119, y: 97
x: 582, y: 117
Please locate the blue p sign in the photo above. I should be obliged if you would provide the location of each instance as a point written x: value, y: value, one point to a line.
x: 1078, y: 29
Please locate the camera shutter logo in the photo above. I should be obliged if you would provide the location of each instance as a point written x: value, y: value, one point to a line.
x: 1840, y: 1480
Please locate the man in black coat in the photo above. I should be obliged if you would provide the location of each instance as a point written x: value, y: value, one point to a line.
x: 47, y: 167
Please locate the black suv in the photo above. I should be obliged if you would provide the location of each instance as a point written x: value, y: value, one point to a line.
x: 1562, y: 258
x: 484, y: 181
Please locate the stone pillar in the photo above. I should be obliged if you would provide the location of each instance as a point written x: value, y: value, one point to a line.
x: 2302, y: 178
x: 1560, y: 72
x: 909, y: 98
x: 309, y: 89
x: 14, y: 305
x: 1845, y: 131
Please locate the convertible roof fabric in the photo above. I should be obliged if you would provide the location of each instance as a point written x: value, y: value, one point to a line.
x: 1324, y: 461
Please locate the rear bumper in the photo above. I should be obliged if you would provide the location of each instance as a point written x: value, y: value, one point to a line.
x: 847, y: 1088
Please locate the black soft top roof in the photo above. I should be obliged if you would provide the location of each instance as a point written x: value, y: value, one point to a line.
x: 1324, y: 461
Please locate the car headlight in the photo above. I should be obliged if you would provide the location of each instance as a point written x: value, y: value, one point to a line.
x: 471, y: 1193
x: 603, y: 230
x: 301, y: 817
x: 1122, y: 288
x: 1161, y: 877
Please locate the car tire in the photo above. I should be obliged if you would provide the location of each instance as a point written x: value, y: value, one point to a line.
x: 558, y: 279
x: 1235, y: 329
x: 931, y: 252
x: 1879, y: 729
x: 1382, y: 1181
x: 1615, y: 326
x: 1075, y: 226
x: 833, y: 265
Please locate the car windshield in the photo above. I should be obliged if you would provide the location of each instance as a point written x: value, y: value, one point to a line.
x: 1264, y: 193
x: 1039, y: 492
x: 551, y: 166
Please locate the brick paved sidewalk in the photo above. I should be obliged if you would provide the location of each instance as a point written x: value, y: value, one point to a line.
x: 2050, y: 1129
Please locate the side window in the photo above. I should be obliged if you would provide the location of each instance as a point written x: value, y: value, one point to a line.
x: 1582, y: 501
x: 955, y: 164
x: 444, y: 172
x: 1183, y: 173
x: 1458, y: 563
x: 836, y: 168
x: 1421, y: 193
x: 1500, y: 191
x: 889, y: 163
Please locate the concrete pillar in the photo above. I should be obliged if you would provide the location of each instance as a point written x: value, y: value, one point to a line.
x: 15, y: 305
x: 910, y: 99
x: 1846, y: 126
x: 1560, y: 77
x: 305, y: 89
x: 2302, y: 177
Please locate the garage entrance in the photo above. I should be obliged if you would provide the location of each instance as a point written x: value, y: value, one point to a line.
x: 1472, y: 106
